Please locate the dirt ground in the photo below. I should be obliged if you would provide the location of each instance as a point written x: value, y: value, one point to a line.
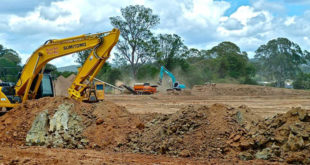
x: 263, y: 102
x: 264, y: 106
x: 40, y: 155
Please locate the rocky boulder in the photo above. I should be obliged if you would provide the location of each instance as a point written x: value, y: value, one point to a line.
x: 62, y: 129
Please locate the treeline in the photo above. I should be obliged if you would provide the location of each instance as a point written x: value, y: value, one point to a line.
x: 140, y: 53
x: 9, y: 64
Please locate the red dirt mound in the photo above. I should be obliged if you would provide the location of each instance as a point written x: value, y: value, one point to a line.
x: 112, y: 125
x: 106, y: 123
x: 284, y: 137
x: 197, y: 131
x: 15, y: 124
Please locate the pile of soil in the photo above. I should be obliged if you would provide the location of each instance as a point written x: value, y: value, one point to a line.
x: 113, y: 124
x: 284, y: 137
x: 62, y: 84
x: 218, y: 131
x: 15, y: 124
x: 193, y: 131
x: 105, y: 124
x: 243, y: 90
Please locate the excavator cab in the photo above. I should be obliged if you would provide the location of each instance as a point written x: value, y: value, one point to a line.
x: 176, y: 86
x: 7, y: 93
x: 99, y: 90
x: 9, y: 97
x: 46, y: 88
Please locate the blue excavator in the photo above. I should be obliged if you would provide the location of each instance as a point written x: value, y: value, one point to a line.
x: 175, y: 84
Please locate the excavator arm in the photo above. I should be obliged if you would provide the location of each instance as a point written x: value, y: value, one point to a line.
x: 92, y: 65
x: 175, y: 85
x: 32, y: 73
x: 161, y: 75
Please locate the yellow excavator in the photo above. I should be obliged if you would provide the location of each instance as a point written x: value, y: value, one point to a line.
x: 33, y: 83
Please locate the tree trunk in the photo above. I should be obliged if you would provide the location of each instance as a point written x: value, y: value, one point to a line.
x: 133, y: 71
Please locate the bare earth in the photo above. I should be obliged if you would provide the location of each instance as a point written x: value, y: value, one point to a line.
x: 264, y: 106
x: 264, y: 102
x: 40, y: 155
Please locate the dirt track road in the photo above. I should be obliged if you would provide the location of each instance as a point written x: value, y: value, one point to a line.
x: 262, y: 105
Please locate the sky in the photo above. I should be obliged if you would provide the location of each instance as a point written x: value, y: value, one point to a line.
x: 202, y: 24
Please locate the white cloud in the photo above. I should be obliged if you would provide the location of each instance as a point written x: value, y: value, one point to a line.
x: 195, y: 20
x: 59, y: 19
x: 72, y: 17
x: 3, y: 39
x: 201, y: 23
x: 289, y: 21
x: 243, y: 14
x: 307, y: 41
x: 204, y: 12
x: 297, y: 1
x: 276, y: 6
x: 64, y: 61
x: 232, y: 24
x: 254, y: 26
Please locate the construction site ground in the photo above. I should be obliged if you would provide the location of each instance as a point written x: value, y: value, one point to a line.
x: 266, y: 102
x: 262, y: 101
x: 264, y: 106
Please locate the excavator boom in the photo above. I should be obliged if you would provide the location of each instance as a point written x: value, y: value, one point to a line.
x: 93, y: 64
x: 175, y: 85
x: 164, y: 70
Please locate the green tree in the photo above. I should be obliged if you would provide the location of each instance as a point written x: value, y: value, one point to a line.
x: 136, y: 37
x: 195, y: 53
x: 50, y: 67
x: 109, y: 74
x: 229, y: 60
x: 8, y: 70
x: 9, y: 64
x: 302, y: 81
x: 147, y: 72
x: 9, y: 54
x: 280, y: 59
x: 171, y: 49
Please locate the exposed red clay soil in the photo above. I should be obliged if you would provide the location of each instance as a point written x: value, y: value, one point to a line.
x: 192, y: 134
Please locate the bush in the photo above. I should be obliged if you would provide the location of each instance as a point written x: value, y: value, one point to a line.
x: 302, y: 81
x: 249, y: 81
x: 147, y: 72
x: 109, y: 74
